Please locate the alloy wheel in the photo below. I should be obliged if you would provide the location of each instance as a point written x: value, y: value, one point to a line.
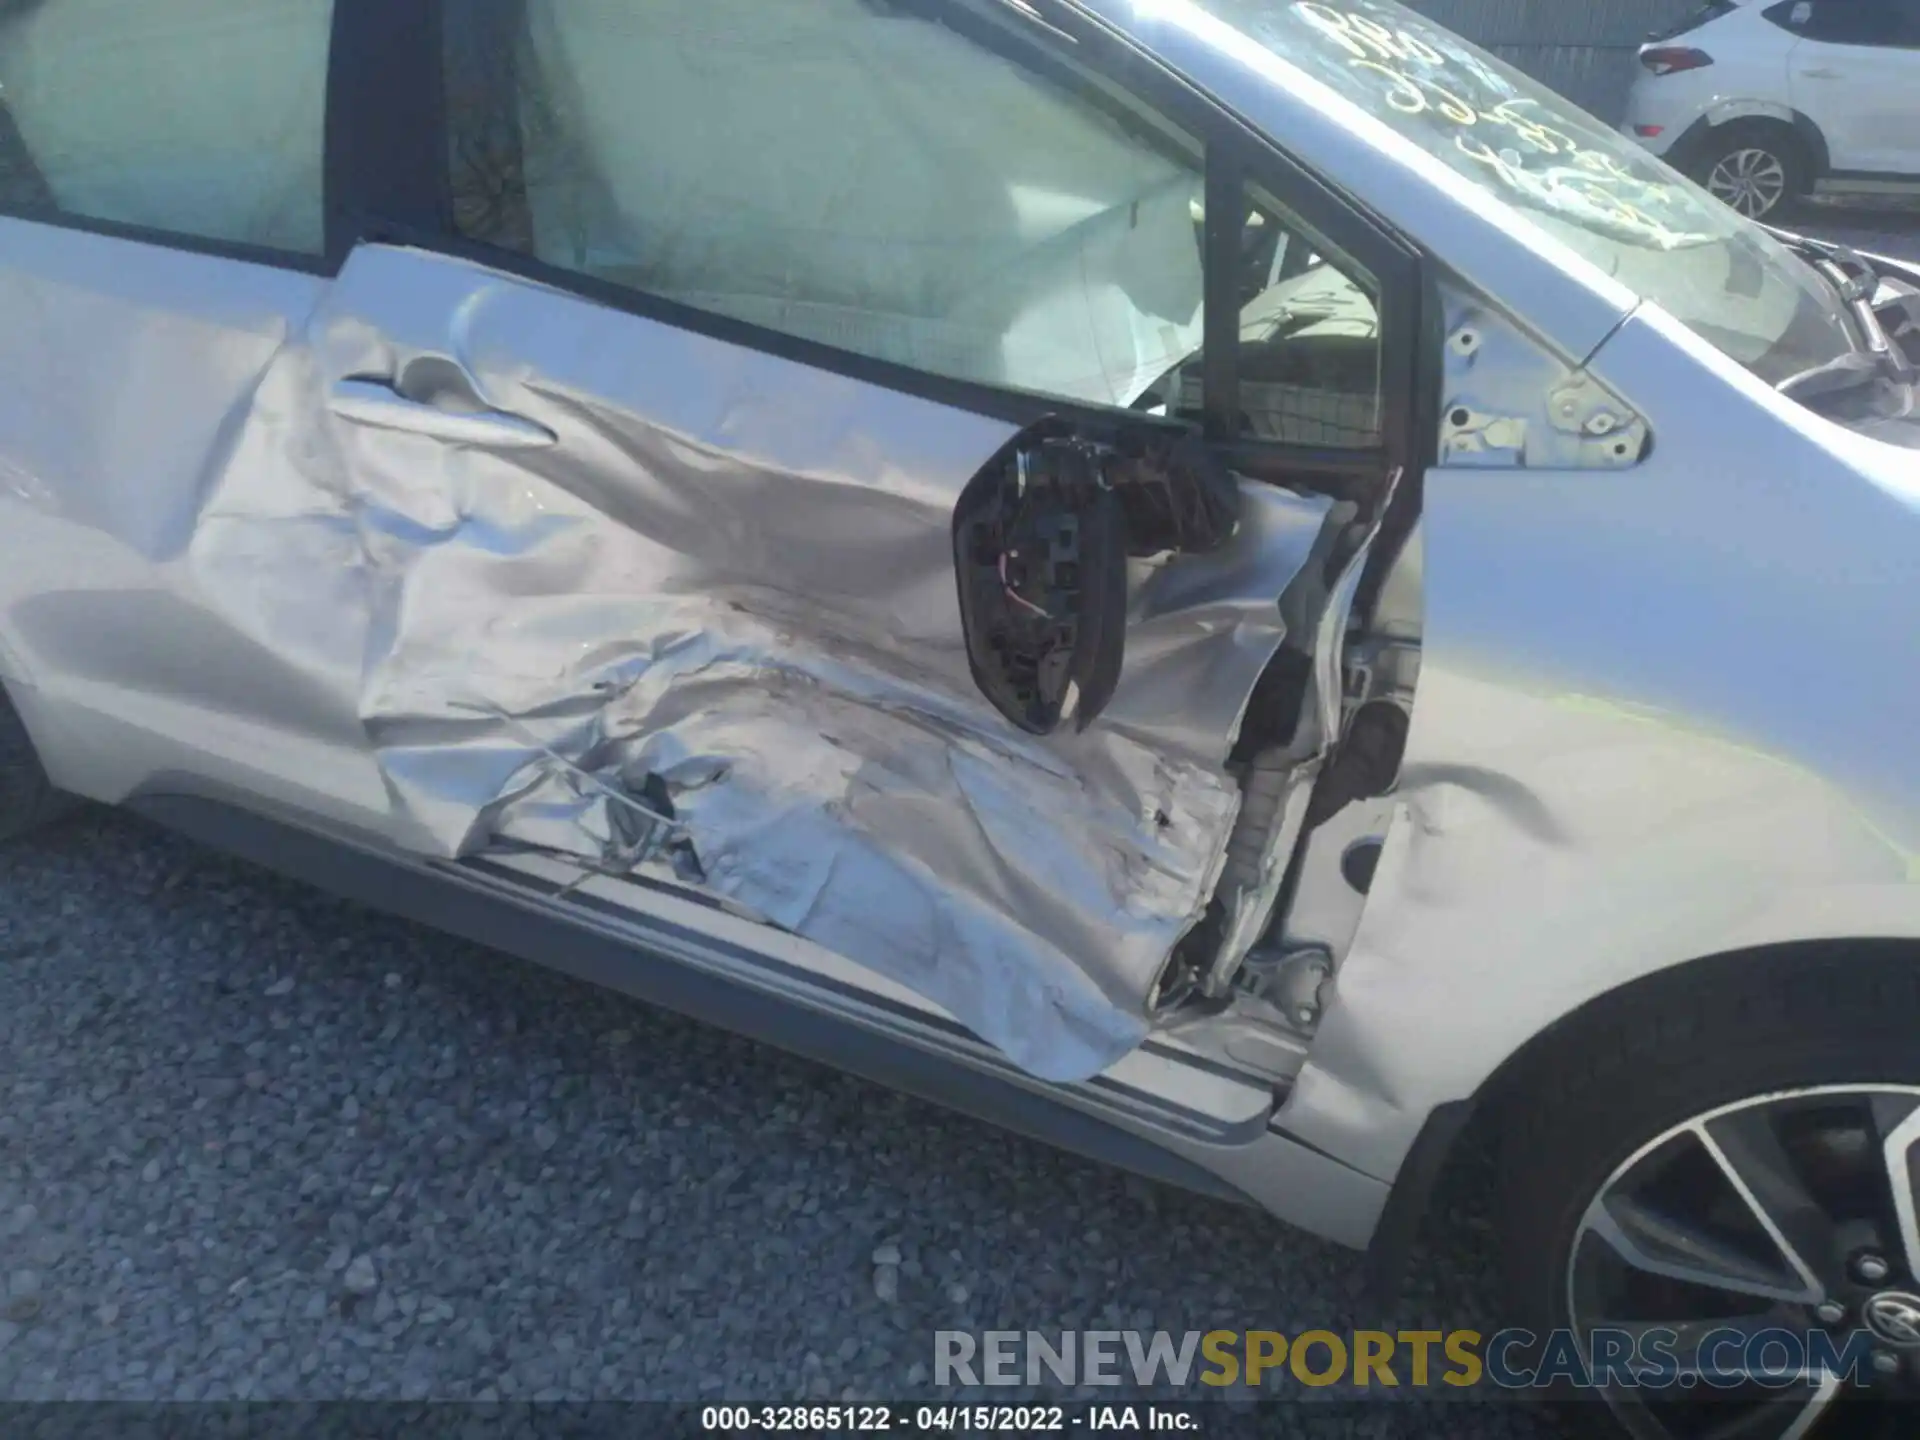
x: 1793, y: 1212
x: 1752, y: 181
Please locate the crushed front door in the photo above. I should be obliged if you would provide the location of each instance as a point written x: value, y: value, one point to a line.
x: 663, y: 602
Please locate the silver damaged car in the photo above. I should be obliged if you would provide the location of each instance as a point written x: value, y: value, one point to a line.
x: 1229, y: 583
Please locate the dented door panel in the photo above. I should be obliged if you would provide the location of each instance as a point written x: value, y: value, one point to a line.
x: 713, y: 630
x: 134, y: 379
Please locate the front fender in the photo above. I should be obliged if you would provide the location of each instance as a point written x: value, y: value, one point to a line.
x: 1664, y: 714
x: 1454, y: 971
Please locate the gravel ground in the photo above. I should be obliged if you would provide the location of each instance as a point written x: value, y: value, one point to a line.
x: 255, y: 1143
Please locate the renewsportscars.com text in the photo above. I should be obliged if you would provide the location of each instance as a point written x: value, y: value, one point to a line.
x: 1419, y: 1359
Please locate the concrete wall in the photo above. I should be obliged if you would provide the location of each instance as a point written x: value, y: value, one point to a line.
x: 1583, y: 48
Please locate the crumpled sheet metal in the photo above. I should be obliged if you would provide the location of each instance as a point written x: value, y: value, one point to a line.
x: 735, y: 573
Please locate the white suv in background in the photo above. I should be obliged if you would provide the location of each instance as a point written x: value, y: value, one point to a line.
x: 1763, y: 100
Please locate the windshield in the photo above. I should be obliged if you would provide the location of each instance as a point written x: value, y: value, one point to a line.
x: 1644, y: 224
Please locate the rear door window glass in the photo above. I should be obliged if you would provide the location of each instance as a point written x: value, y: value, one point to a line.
x: 204, y: 118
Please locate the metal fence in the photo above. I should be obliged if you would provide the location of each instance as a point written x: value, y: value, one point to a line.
x: 1584, y: 50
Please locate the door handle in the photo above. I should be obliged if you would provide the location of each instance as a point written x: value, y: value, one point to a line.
x: 1822, y: 73
x: 376, y: 404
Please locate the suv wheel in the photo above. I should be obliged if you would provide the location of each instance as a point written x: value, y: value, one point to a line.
x: 27, y: 799
x: 1720, y: 1167
x: 1760, y: 168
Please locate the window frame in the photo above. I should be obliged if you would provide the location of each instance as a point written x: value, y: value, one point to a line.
x: 1901, y: 36
x: 395, y: 186
x: 337, y: 236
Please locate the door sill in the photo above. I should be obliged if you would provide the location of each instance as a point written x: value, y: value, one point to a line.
x: 1169, y: 1083
x: 669, y: 947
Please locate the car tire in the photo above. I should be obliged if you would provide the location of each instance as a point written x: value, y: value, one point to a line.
x: 28, y: 800
x: 1776, y: 1045
x: 1759, y: 167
